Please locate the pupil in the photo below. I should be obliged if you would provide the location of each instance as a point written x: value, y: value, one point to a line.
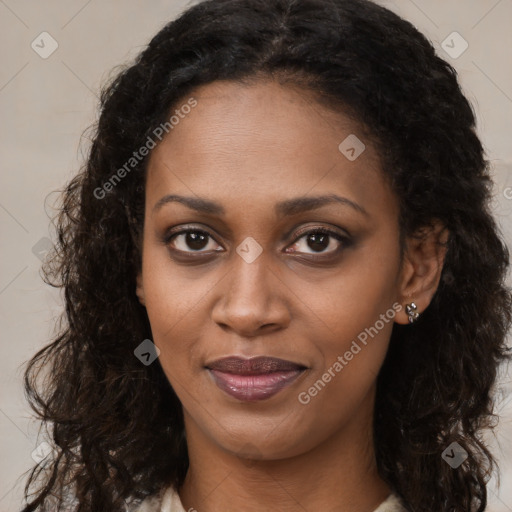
x: 196, y: 240
x: 317, y: 241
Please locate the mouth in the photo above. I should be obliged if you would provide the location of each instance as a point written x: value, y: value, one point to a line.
x: 254, y: 379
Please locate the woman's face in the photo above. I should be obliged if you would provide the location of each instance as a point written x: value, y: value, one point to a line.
x: 248, y: 280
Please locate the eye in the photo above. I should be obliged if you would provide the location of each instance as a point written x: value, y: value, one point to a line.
x: 320, y: 241
x: 314, y: 241
x: 191, y: 240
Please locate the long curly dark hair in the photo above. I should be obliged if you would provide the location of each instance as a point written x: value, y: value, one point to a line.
x: 116, y: 426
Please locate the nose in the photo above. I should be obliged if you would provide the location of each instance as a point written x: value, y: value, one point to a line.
x: 253, y: 299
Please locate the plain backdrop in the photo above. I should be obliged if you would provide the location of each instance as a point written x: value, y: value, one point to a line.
x: 46, y: 102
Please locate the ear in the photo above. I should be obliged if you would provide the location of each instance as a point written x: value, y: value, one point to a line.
x: 423, y: 262
x: 139, y: 290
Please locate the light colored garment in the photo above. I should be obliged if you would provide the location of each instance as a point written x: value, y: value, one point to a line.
x: 169, y: 501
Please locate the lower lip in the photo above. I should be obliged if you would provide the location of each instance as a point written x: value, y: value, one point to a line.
x: 254, y: 387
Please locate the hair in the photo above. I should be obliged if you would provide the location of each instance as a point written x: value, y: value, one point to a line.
x: 116, y: 426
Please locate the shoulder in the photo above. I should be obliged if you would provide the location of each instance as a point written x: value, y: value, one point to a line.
x: 391, y: 504
x: 167, y: 500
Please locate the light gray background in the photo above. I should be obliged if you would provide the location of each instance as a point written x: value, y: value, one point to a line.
x: 45, y: 104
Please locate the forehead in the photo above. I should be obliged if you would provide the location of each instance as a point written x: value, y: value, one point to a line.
x: 256, y: 143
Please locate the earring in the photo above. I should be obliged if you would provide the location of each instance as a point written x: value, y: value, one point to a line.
x: 411, y: 312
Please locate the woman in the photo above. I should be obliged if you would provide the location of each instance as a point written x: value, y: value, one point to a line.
x: 284, y: 286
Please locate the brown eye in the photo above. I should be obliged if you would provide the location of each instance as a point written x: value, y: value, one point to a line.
x: 191, y: 240
x: 320, y: 240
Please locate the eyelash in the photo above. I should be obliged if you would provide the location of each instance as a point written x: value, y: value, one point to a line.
x: 345, y: 242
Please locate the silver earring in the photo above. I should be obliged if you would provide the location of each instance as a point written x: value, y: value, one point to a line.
x: 411, y: 312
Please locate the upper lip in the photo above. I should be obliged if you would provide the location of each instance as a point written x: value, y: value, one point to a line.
x: 253, y: 366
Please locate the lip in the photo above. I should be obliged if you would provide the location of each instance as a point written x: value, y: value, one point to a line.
x: 253, y: 379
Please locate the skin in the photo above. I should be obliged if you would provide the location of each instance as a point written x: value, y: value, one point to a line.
x: 248, y: 147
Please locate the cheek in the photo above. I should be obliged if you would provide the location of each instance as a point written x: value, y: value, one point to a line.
x: 356, y: 306
x: 362, y: 289
x: 339, y: 390
x: 170, y: 295
x: 168, y: 301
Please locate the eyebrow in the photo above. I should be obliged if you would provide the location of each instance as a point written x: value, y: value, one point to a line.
x: 283, y: 208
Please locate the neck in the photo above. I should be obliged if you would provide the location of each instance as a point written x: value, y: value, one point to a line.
x: 338, y: 474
